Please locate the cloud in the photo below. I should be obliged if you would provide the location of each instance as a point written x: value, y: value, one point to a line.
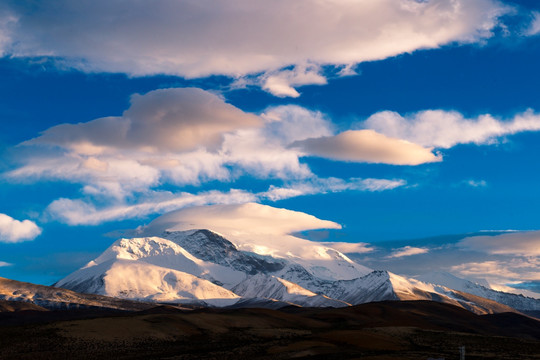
x: 178, y: 136
x: 197, y: 38
x: 185, y: 137
x: 249, y: 218
x: 79, y: 212
x: 13, y: 231
x: 518, y: 243
x: 329, y: 185
x: 282, y: 83
x: 7, y: 21
x: 476, y: 183
x: 4, y: 264
x: 175, y: 119
x: 502, y: 271
x: 504, y: 275
x: 479, y: 264
x: 534, y: 27
x: 445, y: 129
x: 349, y: 248
x: 84, y: 212
x: 408, y: 251
x: 367, y: 146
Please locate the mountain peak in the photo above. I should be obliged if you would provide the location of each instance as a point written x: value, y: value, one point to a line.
x: 202, y: 266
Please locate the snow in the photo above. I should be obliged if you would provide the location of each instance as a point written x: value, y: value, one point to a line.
x: 202, y: 266
x: 448, y: 280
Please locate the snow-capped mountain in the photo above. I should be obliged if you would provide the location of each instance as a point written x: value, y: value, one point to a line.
x: 515, y: 301
x: 272, y: 287
x: 203, y: 267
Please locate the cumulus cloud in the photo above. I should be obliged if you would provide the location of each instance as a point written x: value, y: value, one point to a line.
x: 175, y: 119
x: 187, y: 137
x: 444, y: 129
x: 181, y: 136
x: 195, y: 38
x: 13, y: 231
x: 263, y: 152
x: 367, y: 146
x: 408, y: 251
x: 517, y: 243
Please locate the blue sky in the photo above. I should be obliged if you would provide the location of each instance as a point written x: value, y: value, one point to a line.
x: 422, y: 121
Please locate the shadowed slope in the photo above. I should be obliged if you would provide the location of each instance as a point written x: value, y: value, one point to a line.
x: 385, y: 330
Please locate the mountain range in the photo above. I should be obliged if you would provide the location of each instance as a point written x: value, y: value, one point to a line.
x: 202, y: 267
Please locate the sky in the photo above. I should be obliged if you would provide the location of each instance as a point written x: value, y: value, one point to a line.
x: 412, y: 126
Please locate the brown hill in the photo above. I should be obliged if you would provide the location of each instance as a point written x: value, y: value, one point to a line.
x: 385, y: 330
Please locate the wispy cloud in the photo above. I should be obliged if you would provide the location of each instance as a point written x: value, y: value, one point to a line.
x: 534, y: 27
x: 525, y: 243
x: 476, y: 183
x: 500, y: 272
x: 84, y: 212
x: 4, y: 264
x: 13, y: 231
x: 80, y: 212
x: 282, y: 83
x: 329, y: 185
x: 350, y: 248
x: 238, y: 37
x: 408, y: 251
x: 445, y: 129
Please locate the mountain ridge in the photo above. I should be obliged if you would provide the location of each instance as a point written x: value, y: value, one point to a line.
x: 199, y: 266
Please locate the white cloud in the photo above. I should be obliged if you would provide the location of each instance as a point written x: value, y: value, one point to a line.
x: 4, y: 264
x: 444, y: 129
x: 84, y: 212
x: 517, y: 243
x: 185, y: 137
x: 408, y: 251
x: 502, y: 271
x: 476, y: 183
x: 534, y: 27
x: 175, y: 120
x: 350, y: 248
x: 329, y: 185
x: 195, y: 38
x: 367, y: 146
x: 13, y: 231
x: 499, y: 267
x: 7, y: 21
x: 79, y: 212
x: 178, y: 136
x: 282, y: 83
x: 247, y: 219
